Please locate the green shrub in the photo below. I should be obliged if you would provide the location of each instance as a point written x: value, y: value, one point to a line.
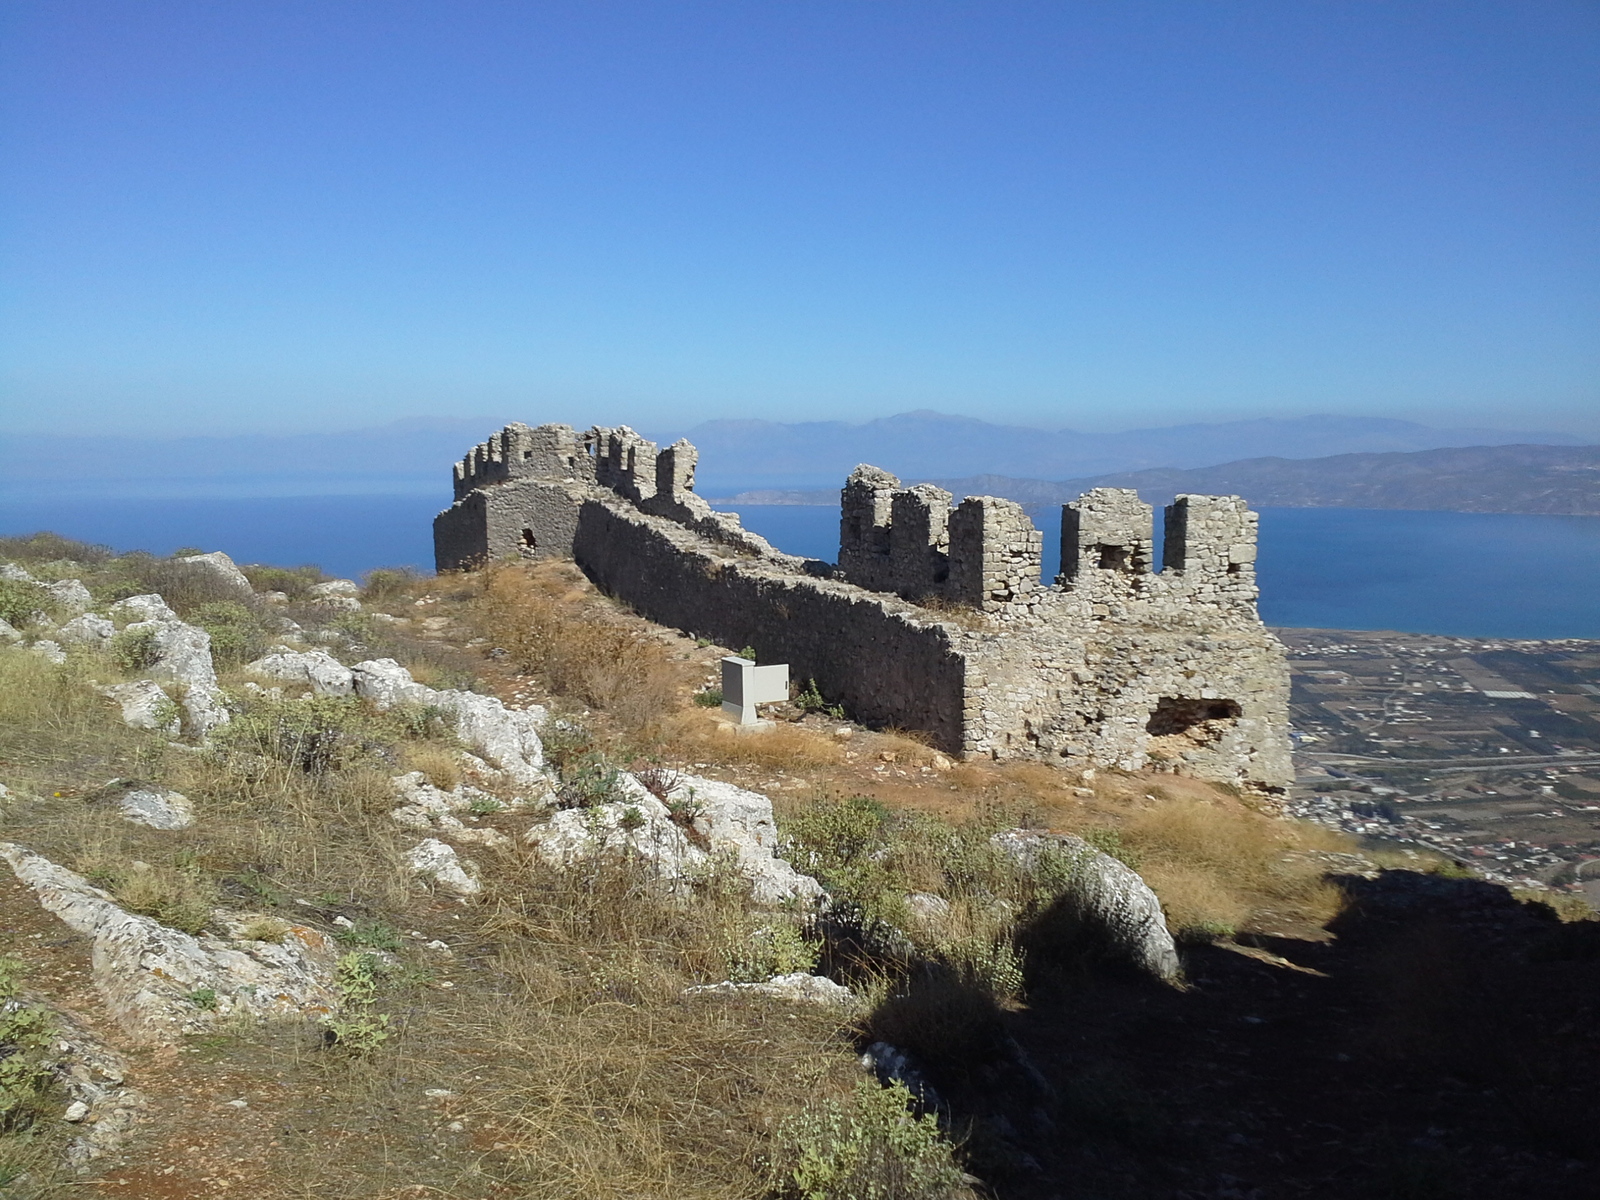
x: 204, y: 999
x: 52, y: 547
x: 25, y: 1037
x: 588, y: 779
x: 318, y: 736
x: 388, y: 584
x: 868, y: 1148
x: 293, y: 582
x: 134, y: 650
x: 238, y: 634
x: 810, y: 700
x: 709, y: 698
x: 777, y: 949
x: 359, y: 1028
x: 1109, y: 841
x: 20, y: 600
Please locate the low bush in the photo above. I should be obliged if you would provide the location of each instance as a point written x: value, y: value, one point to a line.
x: 134, y: 650
x: 239, y: 633
x: 869, y: 1147
x: 21, y: 601
x: 52, y: 547
x: 25, y: 1036
x: 294, y: 582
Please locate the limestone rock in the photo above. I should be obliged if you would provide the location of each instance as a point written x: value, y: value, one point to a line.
x: 639, y: 825
x: 729, y: 820
x: 147, y: 973
x: 335, y: 587
x: 218, y: 566
x: 8, y: 632
x: 15, y: 574
x: 95, y: 1076
x: 325, y: 675
x: 343, y: 594
x: 800, y: 987
x: 148, y: 607
x: 1108, y: 894
x: 431, y: 859
x: 507, y: 737
x: 740, y: 821
x: 182, y: 655
x: 434, y: 810
x: 156, y: 807
x: 145, y: 706
x: 47, y: 649
x: 87, y: 629
x: 70, y: 596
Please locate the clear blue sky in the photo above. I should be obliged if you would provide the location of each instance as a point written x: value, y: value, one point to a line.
x: 276, y: 215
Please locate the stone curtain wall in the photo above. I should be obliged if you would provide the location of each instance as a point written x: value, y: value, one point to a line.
x: 935, y: 618
x: 883, y: 659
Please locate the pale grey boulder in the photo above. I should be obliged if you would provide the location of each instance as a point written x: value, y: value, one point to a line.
x: 638, y: 826
x: 148, y: 607
x: 433, y: 810
x: 799, y: 988
x: 437, y: 863
x: 182, y: 655
x: 158, y: 808
x: 87, y: 629
x: 319, y: 670
x: 147, y: 972
x: 70, y: 596
x: 508, y: 738
x: 49, y: 650
x: 734, y: 820
x: 341, y: 594
x: 15, y: 574
x: 217, y: 566
x: 9, y: 632
x: 1107, y: 894
x: 145, y: 706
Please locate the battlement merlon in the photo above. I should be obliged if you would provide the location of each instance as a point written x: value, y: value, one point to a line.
x: 521, y: 452
x: 1211, y: 543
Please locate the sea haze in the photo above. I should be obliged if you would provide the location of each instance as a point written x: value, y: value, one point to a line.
x: 1469, y: 574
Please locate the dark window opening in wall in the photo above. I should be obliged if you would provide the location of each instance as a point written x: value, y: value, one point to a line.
x: 527, y: 454
x: 1199, y: 719
x: 1113, y: 558
x: 529, y: 542
x: 1233, y: 568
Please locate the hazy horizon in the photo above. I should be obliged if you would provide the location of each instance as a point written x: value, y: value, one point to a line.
x: 1102, y: 217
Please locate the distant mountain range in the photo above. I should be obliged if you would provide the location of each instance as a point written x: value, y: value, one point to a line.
x: 1509, y: 479
x: 414, y: 456
x: 743, y: 455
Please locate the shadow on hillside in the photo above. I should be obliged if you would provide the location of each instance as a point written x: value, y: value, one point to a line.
x: 1444, y: 1042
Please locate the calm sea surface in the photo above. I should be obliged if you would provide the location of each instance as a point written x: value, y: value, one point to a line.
x: 1471, y: 574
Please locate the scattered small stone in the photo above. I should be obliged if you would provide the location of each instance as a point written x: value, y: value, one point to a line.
x: 76, y: 1111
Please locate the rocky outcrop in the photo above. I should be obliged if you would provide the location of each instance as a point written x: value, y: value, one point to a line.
x: 70, y: 596
x: 725, y: 820
x: 145, y: 706
x: 436, y: 863
x: 1105, y: 894
x: 432, y: 809
x: 317, y: 669
x: 508, y: 738
x: 88, y: 629
x: 158, y: 808
x: 181, y: 654
x: 800, y: 987
x: 218, y: 567
x: 154, y: 979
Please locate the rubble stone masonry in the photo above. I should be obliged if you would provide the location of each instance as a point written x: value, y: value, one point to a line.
x: 935, y: 617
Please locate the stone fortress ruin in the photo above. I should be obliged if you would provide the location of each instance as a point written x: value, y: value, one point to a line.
x: 935, y: 617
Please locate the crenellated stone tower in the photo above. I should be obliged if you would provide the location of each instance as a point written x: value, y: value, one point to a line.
x: 935, y: 617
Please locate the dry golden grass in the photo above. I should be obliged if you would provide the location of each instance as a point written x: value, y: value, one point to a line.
x: 441, y: 764
x: 585, y: 654
x: 695, y: 735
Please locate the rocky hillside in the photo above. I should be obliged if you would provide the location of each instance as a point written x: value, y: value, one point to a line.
x: 464, y: 887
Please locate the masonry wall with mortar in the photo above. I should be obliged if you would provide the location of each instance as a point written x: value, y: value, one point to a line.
x: 935, y: 617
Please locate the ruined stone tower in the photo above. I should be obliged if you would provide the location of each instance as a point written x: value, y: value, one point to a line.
x: 935, y: 617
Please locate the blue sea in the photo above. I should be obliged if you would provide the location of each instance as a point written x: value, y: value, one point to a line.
x: 1469, y: 574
